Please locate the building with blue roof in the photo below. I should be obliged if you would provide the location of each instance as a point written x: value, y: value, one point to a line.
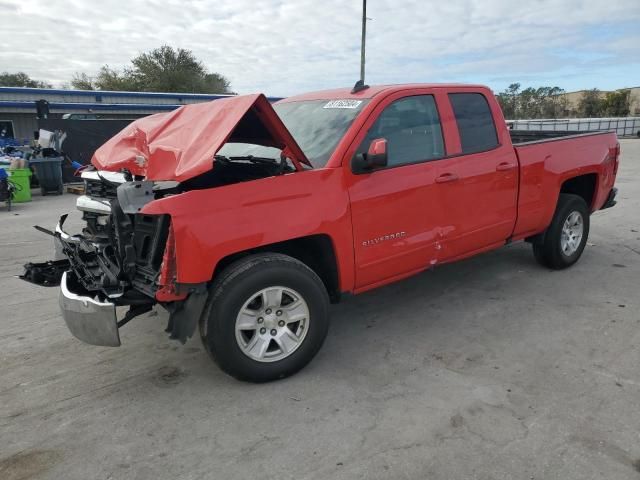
x: 19, y: 116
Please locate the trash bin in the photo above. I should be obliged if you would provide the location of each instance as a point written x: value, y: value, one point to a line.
x: 49, y: 173
x: 20, y: 178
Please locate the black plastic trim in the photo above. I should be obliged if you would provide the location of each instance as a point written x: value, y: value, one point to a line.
x: 611, y: 199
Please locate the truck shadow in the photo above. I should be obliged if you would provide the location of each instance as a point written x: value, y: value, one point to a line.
x: 420, y: 313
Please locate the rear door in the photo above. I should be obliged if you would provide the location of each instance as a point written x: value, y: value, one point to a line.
x: 481, y: 193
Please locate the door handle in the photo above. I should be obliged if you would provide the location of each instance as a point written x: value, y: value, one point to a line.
x: 447, y: 177
x: 504, y: 166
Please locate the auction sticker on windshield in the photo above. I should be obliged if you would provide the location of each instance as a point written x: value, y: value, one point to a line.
x: 343, y: 104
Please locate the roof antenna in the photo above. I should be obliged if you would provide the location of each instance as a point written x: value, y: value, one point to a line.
x: 359, y: 86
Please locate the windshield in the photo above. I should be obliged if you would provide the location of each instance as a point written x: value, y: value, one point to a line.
x: 316, y: 125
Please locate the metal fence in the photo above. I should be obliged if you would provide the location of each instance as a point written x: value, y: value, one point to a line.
x: 624, y: 127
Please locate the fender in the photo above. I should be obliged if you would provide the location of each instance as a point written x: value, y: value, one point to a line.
x: 212, y: 224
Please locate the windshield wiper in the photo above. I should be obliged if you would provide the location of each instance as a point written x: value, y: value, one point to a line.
x: 249, y: 158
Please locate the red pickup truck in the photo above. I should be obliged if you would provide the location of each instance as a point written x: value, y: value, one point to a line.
x: 246, y: 219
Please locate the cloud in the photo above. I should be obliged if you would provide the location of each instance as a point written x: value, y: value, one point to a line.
x: 286, y: 47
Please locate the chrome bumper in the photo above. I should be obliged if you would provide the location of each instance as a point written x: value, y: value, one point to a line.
x: 89, y: 320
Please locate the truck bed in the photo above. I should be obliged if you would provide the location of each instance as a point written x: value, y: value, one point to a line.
x: 527, y: 136
x: 547, y: 160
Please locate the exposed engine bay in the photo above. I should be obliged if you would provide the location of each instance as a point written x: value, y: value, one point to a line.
x: 121, y: 247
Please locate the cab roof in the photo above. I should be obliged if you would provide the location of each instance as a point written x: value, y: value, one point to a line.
x: 373, y: 90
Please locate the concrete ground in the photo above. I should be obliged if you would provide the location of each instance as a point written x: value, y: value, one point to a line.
x: 492, y: 368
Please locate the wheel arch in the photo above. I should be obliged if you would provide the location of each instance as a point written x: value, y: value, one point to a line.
x: 315, y: 251
x: 584, y: 186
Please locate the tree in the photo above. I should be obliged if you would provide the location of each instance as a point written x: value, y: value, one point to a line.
x: 591, y: 104
x: 21, y: 79
x: 508, y: 101
x: 541, y: 102
x: 167, y: 70
x: 527, y: 104
x: 163, y: 69
x: 552, y: 102
x: 82, y: 81
x: 110, y: 79
x: 617, y: 104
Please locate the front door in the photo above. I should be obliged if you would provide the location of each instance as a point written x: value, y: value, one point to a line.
x: 395, y: 210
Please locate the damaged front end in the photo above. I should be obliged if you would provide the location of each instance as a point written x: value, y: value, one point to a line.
x: 126, y: 257
x: 130, y: 262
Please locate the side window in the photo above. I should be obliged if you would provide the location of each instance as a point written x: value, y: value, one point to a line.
x: 411, y: 127
x: 475, y: 122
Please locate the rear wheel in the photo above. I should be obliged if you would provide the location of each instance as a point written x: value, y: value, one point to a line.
x: 266, y: 318
x: 566, y: 237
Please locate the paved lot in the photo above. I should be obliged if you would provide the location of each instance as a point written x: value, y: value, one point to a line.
x: 493, y: 368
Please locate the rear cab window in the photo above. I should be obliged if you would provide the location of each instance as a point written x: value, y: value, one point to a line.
x: 475, y: 122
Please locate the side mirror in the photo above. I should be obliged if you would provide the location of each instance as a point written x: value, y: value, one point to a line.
x: 376, y: 157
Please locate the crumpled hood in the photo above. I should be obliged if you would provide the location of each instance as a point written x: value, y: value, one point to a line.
x: 181, y: 144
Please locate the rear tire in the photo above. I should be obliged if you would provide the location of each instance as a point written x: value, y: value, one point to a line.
x: 564, y: 241
x: 266, y: 318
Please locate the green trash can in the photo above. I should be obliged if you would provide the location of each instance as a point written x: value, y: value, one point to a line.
x: 20, y: 178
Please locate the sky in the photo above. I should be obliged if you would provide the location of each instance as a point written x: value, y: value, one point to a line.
x: 282, y: 47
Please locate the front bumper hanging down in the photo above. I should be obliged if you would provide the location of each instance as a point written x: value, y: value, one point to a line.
x: 88, y: 317
x: 89, y: 320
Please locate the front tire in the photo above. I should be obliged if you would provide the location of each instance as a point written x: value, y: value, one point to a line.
x: 266, y: 318
x: 566, y: 237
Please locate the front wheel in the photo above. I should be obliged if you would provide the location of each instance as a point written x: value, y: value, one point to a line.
x: 566, y: 237
x: 266, y: 318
